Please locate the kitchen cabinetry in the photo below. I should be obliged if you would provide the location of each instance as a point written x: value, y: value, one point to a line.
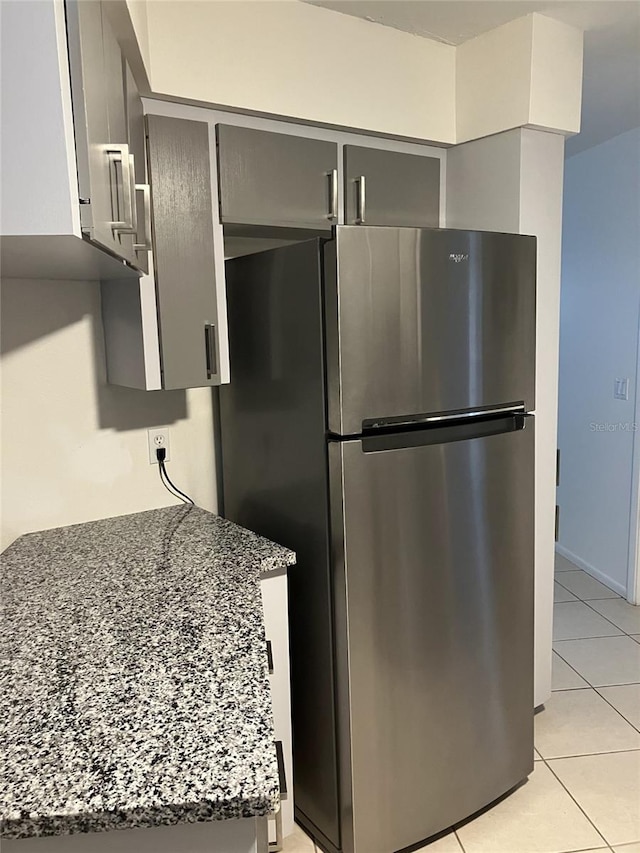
x: 108, y: 130
x: 170, y: 333
x: 276, y: 179
x: 390, y: 188
x: 246, y: 835
x: 180, y: 173
x: 228, y: 189
x: 41, y: 219
x: 284, y: 180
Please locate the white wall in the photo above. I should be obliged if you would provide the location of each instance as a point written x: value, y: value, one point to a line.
x: 493, y: 80
x: 598, y: 343
x: 292, y: 59
x: 73, y: 448
x: 528, y: 72
x: 138, y: 15
x: 556, y: 75
x: 513, y: 182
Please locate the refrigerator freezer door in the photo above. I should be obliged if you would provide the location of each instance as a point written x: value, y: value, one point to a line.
x: 434, y: 598
x: 422, y: 321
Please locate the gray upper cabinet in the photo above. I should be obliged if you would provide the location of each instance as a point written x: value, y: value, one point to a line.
x: 183, y: 251
x: 391, y: 188
x: 275, y: 179
x: 101, y: 111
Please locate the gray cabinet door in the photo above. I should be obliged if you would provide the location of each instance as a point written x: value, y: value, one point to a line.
x: 183, y: 253
x: 122, y: 164
x: 91, y: 119
x: 391, y: 188
x: 275, y: 179
x: 97, y: 89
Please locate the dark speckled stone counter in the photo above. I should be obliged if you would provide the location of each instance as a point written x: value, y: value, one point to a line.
x: 134, y: 689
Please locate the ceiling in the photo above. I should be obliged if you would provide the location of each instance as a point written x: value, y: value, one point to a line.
x: 455, y: 21
x: 611, y: 89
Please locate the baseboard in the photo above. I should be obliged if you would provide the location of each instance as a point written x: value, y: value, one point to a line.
x: 591, y: 570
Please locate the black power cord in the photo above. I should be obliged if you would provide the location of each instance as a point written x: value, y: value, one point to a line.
x: 161, y: 455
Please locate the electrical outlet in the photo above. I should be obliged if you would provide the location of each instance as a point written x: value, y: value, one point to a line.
x: 158, y: 438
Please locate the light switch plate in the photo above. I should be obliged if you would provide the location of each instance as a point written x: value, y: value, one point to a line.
x: 621, y: 389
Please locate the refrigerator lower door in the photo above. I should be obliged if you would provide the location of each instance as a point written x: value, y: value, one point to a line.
x: 433, y: 583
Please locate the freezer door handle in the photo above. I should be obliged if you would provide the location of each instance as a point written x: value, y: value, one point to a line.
x: 464, y: 431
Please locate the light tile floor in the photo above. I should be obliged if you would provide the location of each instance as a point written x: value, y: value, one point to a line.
x: 584, y: 792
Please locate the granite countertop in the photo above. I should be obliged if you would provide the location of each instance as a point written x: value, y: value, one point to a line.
x: 134, y: 688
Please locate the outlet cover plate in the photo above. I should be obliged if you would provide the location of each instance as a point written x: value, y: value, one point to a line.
x: 158, y: 438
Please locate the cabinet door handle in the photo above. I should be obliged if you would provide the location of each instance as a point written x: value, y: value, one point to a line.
x: 269, y: 657
x: 361, y: 211
x: 333, y: 177
x: 210, y: 346
x: 131, y: 197
x: 120, y: 154
x: 282, y: 774
x: 145, y: 189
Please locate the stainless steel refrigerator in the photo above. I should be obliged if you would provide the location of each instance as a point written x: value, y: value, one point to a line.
x: 378, y: 423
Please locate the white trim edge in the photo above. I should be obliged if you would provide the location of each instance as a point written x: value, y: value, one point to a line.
x: 633, y: 568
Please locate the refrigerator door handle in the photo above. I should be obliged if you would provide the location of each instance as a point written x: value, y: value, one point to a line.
x: 399, y: 423
x: 445, y: 434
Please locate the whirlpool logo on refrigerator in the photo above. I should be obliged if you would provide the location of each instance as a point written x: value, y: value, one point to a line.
x: 458, y: 257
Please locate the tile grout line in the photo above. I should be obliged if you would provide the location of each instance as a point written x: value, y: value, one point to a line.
x: 595, y: 686
x: 597, y: 612
x: 586, y: 601
x: 588, y: 754
x: 615, y: 594
x: 598, y: 637
x: 576, y: 597
x: 606, y: 843
x: 619, y: 627
x: 624, y: 633
x: 633, y: 725
x: 455, y: 832
x: 578, y: 569
x: 596, y: 689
